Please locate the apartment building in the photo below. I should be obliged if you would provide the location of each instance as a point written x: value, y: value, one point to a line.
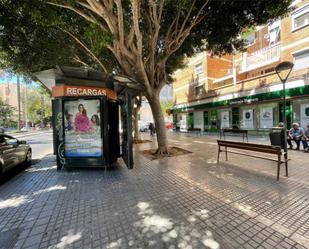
x: 243, y: 90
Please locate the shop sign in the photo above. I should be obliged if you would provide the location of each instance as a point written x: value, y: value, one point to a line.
x: 304, y: 115
x: 64, y: 90
x: 225, y: 119
x: 247, y: 119
x: 266, y: 117
x: 242, y: 101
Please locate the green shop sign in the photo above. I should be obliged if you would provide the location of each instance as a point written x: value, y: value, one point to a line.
x: 293, y: 92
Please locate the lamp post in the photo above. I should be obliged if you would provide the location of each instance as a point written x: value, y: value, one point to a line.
x: 283, y: 71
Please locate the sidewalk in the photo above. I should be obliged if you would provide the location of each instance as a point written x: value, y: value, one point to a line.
x: 177, y: 202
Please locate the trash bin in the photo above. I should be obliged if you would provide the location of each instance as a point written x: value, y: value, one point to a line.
x: 276, y: 136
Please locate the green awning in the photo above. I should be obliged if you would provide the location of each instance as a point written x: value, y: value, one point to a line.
x: 292, y: 92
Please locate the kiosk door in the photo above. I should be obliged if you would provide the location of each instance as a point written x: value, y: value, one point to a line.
x: 126, y: 141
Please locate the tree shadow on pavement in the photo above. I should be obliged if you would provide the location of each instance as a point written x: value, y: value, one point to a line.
x: 8, y: 175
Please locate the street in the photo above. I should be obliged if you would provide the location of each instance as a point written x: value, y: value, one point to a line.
x: 40, y: 142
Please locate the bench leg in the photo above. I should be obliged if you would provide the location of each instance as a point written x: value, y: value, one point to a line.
x: 286, y: 164
x: 225, y: 153
x: 278, y: 169
x: 218, y: 157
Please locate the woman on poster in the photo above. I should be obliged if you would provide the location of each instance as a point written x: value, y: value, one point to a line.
x: 95, y: 122
x: 82, y: 123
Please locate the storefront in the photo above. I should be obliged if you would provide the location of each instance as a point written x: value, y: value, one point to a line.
x: 257, y: 112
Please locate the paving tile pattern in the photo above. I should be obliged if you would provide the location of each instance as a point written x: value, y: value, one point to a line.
x: 180, y: 202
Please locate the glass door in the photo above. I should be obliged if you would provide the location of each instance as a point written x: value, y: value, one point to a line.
x: 288, y: 113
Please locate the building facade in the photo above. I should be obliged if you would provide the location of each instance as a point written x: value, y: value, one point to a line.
x: 243, y: 90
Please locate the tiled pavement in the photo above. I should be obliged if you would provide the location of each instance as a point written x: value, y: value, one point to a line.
x: 177, y: 202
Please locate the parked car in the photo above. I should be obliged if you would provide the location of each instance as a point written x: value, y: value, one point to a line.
x: 13, y: 152
x: 2, y: 130
x: 169, y: 125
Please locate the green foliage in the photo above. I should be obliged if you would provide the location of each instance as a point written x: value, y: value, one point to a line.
x: 166, y: 107
x: 32, y: 38
x: 38, y: 100
x: 6, y: 114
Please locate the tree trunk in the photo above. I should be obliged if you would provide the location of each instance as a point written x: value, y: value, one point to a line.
x: 135, y: 124
x: 154, y: 102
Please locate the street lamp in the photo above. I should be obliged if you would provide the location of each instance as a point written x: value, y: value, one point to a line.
x: 283, y: 71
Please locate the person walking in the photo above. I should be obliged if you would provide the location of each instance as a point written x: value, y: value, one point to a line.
x: 151, y: 129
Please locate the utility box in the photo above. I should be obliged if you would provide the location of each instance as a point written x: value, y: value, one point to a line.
x: 276, y: 136
x: 92, y: 122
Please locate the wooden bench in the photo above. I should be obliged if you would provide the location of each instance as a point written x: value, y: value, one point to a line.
x: 244, y: 133
x: 266, y: 149
x: 195, y: 131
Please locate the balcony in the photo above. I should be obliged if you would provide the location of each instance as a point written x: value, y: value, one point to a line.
x: 260, y: 58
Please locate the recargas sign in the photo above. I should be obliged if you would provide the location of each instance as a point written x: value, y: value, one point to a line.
x: 64, y: 90
x: 85, y: 91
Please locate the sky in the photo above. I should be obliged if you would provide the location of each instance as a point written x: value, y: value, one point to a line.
x: 7, y: 77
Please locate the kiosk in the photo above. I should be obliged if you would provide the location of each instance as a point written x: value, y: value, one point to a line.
x: 91, y: 118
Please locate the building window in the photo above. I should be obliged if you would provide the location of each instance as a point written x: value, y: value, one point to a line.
x: 199, y: 68
x: 249, y: 36
x: 300, y: 18
x: 199, y: 90
x: 301, y: 60
x: 274, y: 33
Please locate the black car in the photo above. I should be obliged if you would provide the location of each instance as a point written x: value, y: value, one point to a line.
x: 13, y: 152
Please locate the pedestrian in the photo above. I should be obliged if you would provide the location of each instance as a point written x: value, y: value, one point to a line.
x: 151, y: 129
x: 296, y: 134
x: 306, y: 139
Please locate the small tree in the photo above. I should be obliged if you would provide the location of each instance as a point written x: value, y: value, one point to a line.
x: 6, y: 113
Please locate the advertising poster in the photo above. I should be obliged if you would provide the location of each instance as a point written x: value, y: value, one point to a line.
x: 266, y: 118
x: 304, y: 115
x: 82, y: 128
x: 247, y: 118
x: 225, y: 119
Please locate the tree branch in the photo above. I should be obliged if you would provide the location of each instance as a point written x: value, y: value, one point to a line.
x: 86, y: 48
x: 120, y: 21
x: 77, y: 11
x: 78, y: 60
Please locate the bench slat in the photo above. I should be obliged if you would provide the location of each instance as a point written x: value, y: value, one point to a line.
x: 255, y: 156
x: 249, y: 146
x: 234, y: 131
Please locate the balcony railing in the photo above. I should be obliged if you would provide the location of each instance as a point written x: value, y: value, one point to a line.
x: 260, y: 58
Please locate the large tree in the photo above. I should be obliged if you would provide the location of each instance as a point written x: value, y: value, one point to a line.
x: 149, y: 39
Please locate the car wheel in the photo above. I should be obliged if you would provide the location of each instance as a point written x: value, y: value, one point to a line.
x: 28, y: 157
